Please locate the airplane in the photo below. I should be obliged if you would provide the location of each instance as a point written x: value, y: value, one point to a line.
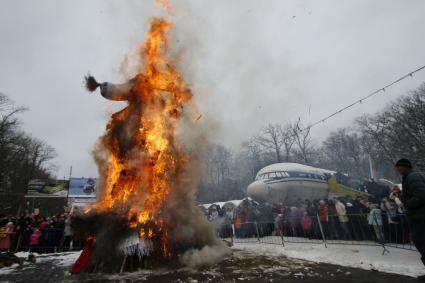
x: 289, y: 182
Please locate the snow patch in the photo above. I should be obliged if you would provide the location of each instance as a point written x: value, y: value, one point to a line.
x: 398, y: 261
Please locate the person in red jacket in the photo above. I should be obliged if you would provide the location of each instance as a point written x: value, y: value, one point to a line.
x: 307, y: 225
x: 324, y: 217
x: 35, y: 240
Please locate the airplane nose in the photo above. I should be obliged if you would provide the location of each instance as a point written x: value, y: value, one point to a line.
x: 258, y: 190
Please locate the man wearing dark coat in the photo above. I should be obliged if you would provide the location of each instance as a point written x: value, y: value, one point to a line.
x: 413, y: 198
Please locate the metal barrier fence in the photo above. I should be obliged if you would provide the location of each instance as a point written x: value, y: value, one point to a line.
x: 374, y: 229
x: 50, y: 240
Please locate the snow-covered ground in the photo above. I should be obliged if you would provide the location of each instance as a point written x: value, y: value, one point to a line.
x: 61, y: 259
x: 58, y: 259
x: 398, y: 261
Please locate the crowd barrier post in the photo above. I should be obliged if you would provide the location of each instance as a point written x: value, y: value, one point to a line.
x: 232, y: 235
x: 283, y: 240
x: 321, y: 231
x: 256, y: 230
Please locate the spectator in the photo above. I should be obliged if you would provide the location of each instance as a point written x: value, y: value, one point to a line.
x: 307, y: 225
x: 324, y: 217
x: 390, y: 208
x: 293, y: 220
x: 35, y: 240
x: 6, y: 233
x: 413, y: 197
x: 396, y: 197
x: 279, y: 225
x: 342, y: 217
x: 67, y: 234
x: 375, y: 219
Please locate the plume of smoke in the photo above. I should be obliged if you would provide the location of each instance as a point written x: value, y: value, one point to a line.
x: 206, y: 256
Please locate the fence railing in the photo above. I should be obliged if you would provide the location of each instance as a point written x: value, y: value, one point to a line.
x: 386, y: 230
x: 50, y: 240
x: 373, y: 229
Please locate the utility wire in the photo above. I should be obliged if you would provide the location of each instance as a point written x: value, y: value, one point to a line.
x: 382, y: 89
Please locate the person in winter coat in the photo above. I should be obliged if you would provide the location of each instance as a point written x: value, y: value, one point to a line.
x: 279, y: 225
x: 6, y: 236
x: 396, y: 197
x: 324, y: 217
x: 390, y: 207
x: 413, y: 198
x: 67, y: 234
x: 293, y: 220
x: 307, y: 225
x: 35, y: 240
x: 343, y: 218
x: 375, y: 219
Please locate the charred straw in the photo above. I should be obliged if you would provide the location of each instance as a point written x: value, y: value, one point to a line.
x: 91, y: 83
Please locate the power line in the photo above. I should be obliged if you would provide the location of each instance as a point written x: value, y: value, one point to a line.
x: 382, y: 89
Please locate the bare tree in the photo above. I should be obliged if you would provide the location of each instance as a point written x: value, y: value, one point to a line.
x: 251, y: 158
x: 270, y: 140
x: 397, y: 131
x: 22, y: 157
x: 344, y: 153
x: 304, y: 146
x: 288, y: 139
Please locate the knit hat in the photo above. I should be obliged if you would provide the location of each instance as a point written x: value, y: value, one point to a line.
x: 404, y: 163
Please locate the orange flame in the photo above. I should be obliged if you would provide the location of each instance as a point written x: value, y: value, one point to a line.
x: 144, y: 157
x: 164, y: 4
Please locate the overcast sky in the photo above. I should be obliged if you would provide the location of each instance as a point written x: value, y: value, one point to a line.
x: 248, y: 62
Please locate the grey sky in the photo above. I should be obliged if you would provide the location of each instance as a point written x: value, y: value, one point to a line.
x: 249, y: 62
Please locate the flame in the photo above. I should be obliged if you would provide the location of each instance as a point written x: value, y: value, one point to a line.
x: 144, y: 158
x: 165, y: 4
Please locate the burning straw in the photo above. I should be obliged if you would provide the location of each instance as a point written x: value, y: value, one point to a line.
x: 146, y: 207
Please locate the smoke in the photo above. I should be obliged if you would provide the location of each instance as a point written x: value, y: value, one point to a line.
x: 206, y: 256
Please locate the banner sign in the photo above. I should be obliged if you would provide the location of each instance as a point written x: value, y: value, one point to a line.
x: 47, y: 188
x: 82, y: 188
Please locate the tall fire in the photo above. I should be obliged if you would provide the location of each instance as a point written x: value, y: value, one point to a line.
x: 146, y: 211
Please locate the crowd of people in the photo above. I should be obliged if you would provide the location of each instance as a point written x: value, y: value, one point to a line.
x: 339, y: 218
x: 36, y: 233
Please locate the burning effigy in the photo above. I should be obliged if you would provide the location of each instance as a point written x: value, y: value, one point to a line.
x: 146, y: 214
